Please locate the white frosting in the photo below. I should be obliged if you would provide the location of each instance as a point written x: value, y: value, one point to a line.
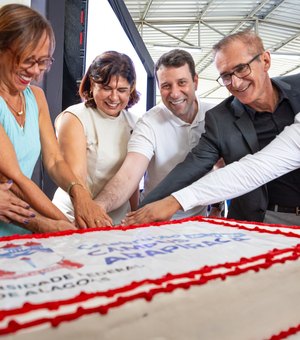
x: 251, y: 305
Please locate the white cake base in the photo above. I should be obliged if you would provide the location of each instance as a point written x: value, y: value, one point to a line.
x: 251, y: 305
x: 248, y: 306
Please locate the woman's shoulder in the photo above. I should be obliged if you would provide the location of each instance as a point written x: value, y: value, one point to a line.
x: 36, y: 94
x: 77, y: 109
x: 36, y: 90
x: 130, y: 117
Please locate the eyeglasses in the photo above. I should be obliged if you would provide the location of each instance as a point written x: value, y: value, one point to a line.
x: 240, y: 71
x: 44, y: 64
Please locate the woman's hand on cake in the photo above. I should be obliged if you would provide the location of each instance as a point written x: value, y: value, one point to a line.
x: 161, y: 210
x: 41, y: 224
x: 11, y: 207
x: 60, y: 225
x: 87, y: 213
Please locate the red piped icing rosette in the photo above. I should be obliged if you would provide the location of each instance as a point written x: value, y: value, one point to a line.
x: 60, y: 277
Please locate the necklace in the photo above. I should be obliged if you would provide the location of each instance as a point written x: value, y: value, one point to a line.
x: 21, y: 112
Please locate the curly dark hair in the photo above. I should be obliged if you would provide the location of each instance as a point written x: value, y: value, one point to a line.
x: 104, y: 66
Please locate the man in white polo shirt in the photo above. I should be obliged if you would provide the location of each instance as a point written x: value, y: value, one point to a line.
x: 279, y: 157
x: 164, y: 135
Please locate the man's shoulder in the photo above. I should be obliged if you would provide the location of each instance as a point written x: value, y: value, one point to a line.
x: 292, y: 80
x: 205, y: 104
x: 156, y: 114
x: 224, y: 105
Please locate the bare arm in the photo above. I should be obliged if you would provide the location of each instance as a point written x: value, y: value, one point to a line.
x: 72, y: 142
x: 276, y: 159
x: 53, y: 160
x: 121, y: 187
x: 31, y: 193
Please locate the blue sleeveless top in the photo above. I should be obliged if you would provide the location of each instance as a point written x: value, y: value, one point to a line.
x: 26, y: 142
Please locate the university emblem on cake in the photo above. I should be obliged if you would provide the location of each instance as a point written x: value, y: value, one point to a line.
x: 30, y: 259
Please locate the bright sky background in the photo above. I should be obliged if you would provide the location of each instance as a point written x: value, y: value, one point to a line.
x: 105, y: 33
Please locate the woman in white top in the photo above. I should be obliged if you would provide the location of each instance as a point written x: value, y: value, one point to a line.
x: 93, y: 135
x: 282, y: 155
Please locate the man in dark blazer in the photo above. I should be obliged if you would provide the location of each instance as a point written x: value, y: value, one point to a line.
x: 244, y: 123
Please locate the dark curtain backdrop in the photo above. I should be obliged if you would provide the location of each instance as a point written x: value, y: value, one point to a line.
x: 68, y: 19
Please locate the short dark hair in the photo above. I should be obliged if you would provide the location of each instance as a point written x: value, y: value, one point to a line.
x: 176, y: 58
x: 104, y: 66
x: 248, y: 37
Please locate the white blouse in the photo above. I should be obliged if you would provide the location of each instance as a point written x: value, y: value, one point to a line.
x: 106, y: 147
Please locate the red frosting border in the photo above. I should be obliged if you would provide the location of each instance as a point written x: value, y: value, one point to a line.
x: 232, y: 267
x: 287, y: 333
x: 222, y: 221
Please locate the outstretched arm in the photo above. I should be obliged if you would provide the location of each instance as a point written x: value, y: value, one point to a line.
x: 43, y: 215
x: 85, y: 210
x: 282, y: 155
x: 197, y: 163
x: 31, y: 193
x: 123, y: 185
x: 279, y: 157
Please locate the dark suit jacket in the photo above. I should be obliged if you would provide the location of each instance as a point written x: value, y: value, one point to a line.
x: 229, y: 133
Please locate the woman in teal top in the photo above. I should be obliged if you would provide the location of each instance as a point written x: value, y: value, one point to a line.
x: 26, y: 48
x: 26, y: 141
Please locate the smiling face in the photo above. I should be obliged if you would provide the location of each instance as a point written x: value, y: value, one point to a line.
x: 177, y: 89
x: 17, y: 77
x: 113, y: 97
x: 250, y: 90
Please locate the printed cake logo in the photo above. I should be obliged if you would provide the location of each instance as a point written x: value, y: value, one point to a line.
x: 24, y: 260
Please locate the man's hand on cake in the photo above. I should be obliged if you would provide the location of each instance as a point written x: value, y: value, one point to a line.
x: 161, y: 210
